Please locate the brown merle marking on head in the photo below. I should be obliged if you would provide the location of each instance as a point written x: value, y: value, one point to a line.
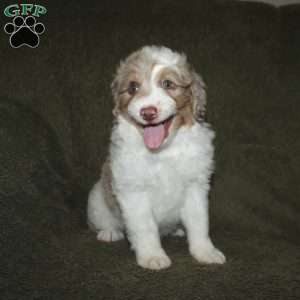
x: 136, y: 68
x: 188, y: 91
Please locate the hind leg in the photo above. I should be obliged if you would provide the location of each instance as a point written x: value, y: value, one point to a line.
x: 103, y: 219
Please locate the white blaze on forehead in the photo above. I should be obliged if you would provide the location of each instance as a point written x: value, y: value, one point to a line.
x: 156, y: 97
x: 155, y: 71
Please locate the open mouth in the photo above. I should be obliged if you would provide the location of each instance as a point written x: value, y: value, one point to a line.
x: 155, y: 134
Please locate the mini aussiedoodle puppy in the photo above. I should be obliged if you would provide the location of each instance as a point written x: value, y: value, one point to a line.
x: 156, y: 178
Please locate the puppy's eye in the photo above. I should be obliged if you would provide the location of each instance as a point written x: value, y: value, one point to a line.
x: 168, y: 84
x: 133, y: 87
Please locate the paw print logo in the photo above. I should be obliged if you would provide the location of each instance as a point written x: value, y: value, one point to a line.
x: 24, y: 31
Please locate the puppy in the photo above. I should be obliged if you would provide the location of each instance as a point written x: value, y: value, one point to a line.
x: 155, y: 180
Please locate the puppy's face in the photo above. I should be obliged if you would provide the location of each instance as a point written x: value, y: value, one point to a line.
x: 157, y: 91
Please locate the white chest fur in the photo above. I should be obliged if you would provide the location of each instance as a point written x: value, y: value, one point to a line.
x: 161, y: 176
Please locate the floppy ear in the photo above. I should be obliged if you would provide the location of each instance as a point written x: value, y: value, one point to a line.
x: 198, y: 96
x: 114, y: 88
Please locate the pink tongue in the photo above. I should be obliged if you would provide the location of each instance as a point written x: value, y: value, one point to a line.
x: 154, y: 136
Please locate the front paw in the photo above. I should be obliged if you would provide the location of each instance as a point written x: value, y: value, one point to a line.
x: 208, y: 254
x: 155, y: 261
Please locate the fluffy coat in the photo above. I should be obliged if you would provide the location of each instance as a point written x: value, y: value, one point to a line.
x: 151, y: 186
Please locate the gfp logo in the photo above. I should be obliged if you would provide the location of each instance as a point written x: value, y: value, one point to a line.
x: 24, y: 29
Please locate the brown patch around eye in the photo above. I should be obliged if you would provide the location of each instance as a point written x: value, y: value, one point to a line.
x: 168, y: 84
x: 172, y: 83
x: 133, y: 88
x: 179, y: 88
x: 128, y: 88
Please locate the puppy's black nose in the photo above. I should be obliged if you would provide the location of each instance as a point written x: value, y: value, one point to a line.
x: 149, y: 113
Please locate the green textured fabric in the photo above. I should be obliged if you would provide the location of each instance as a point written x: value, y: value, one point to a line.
x: 55, y: 121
